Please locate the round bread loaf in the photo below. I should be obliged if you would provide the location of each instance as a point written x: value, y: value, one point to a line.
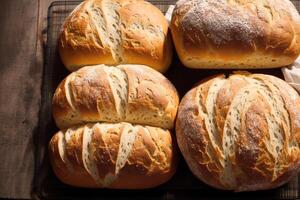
x: 241, y: 133
x: 236, y: 33
x: 113, y: 32
x: 113, y: 156
x: 126, y: 93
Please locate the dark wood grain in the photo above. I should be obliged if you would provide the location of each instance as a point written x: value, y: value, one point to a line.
x: 20, y: 82
x: 22, y: 36
x: 22, y: 40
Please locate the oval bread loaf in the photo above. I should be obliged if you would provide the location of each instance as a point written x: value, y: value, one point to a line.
x: 126, y: 93
x: 236, y: 33
x: 113, y: 32
x: 241, y: 133
x: 113, y: 156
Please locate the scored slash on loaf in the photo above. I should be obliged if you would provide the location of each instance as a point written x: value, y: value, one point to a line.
x: 241, y: 133
x: 129, y: 93
x: 113, y: 155
x: 113, y: 32
x: 97, y: 147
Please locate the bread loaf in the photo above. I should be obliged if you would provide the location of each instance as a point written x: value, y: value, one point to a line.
x: 113, y: 32
x: 236, y: 33
x: 113, y: 156
x: 241, y: 133
x: 126, y: 93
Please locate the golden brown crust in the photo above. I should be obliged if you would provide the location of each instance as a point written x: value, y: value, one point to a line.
x: 59, y: 167
x: 236, y: 34
x: 151, y: 158
x: 193, y: 145
x: 115, y: 32
x: 241, y: 133
x: 130, y: 93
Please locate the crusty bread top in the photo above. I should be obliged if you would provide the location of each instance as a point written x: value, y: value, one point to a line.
x: 129, y: 93
x: 113, y: 156
x: 113, y: 32
x: 241, y: 133
x: 231, y: 30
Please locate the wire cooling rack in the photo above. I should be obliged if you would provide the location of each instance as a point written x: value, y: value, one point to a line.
x: 182, y: 185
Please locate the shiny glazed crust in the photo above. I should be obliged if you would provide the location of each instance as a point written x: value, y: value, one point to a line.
x: 241, y: 133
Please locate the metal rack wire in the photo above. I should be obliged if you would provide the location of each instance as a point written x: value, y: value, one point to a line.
x: 46, y: 185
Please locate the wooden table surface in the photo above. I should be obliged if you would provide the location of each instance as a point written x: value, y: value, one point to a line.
x: 22, y: 38
x: 22, y: 35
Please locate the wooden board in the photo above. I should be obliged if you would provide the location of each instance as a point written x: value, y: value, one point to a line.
x: 22, y: 36
x: 22, y: 25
